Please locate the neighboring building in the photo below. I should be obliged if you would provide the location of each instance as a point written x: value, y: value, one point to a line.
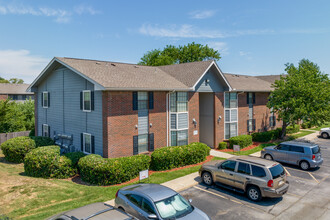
x: 16, y: 92
x: 116, y: 109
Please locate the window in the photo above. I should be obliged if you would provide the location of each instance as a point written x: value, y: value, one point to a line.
x: 250, y: 98
x: 231, y: 115
x: 179, y: 138
x: 87, y: 143
x: 142, y: 100
x: 87, y: 103
x: 283, y: 147
x: 229, y: 165
x: 45, y: 130
x: 251, y: 124
x: 272, y: 121
x: 316, y: 150
x: 258, y: 171
x: 135, y: 199
x: 243, y: 168
x: 179, y: 102
x: 143, y: 143
x: 297, y: 149
x: 277, y: 171
x: 45, y: 99
x: 147, y: 207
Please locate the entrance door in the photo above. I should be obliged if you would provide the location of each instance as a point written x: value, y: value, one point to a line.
x: 206, y: 118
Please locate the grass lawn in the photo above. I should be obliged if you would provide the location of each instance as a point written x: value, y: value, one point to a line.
x: 300, y: 134
x: 322, y: 126
x: 23, y: 197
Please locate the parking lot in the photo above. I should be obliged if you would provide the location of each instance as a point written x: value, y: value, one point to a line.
x: 308, y: 196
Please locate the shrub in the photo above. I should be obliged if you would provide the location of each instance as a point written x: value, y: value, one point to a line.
x: 241, y: 140
x: 15, y: 149
x: 43, y: 141
x: 100, y: 171
x: 46, y: 162
x: 267, y: 135
x: 171, y: 157
x: 75, y: 157
x: 292, y: 129
x: 32, y: 132
x: 222, y: 145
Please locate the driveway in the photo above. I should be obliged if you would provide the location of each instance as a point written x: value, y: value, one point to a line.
x: 308, y: 196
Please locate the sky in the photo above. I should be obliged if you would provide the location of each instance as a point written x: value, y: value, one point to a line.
x: 253, y: 37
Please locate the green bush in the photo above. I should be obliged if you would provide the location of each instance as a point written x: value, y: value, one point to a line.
x: 241, y: 140
x: 292, y: 129
x: 267, y: 135
x: 75, y: 157
x: 304, y: 125
x: 43, y: 141
x: 222, y: 145
x: 171, y: 157
x: 97, y: 170
x: 32, y: 132
x: 15, y: 149
x: 46, y: 162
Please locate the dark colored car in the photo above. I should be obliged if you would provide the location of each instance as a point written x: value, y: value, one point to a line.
x: 154, y: 201
x: 305, y: 155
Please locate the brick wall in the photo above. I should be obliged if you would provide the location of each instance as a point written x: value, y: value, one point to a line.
x: 3, y: 97
x: 193, y: 109
x: 157, y: 117
x: 119, y: 122
x: 219, y: 111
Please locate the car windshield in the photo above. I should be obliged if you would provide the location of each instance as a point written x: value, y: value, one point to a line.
x: 173, y: 207
x: 316, y: 150
x: 277, y: 171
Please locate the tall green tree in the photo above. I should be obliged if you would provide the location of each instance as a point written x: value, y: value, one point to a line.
x: 12, y: 81
x: 2, y: 80
x: 181, y: 54
x: 303, y: 94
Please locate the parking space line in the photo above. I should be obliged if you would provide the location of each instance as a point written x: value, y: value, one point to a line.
x: 291, y: 194
x: 297, y: 177
x: 313, y: 177
x: 287, y: 171
x: 211, y: 192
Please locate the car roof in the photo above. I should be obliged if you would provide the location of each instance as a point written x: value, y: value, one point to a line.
x: 100, y: 211
x: 155, y: 192
x: 302, y: 144
x: 254, y: 161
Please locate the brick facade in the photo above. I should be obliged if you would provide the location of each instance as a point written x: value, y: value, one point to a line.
x: 193, y: 109
x: 3, y: 97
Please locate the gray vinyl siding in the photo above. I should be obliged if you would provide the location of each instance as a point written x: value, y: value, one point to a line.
x: 143, y: 122
x: 64, y: 115
x: 214, y: 84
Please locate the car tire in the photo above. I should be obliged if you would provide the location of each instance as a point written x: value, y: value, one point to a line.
x: 121, y: 209
x: 325, y: 135
x: 253, y: 193
x: 304, y: 165
x: 207, y: 178
x: 268, y: 157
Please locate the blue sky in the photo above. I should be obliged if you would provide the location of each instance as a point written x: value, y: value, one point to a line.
x: 253, y: 37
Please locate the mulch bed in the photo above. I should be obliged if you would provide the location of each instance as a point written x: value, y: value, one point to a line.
x: 254, y: 145
x: 78, y: 180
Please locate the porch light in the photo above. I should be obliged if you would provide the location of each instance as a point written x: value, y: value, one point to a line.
x: 219, y: 118
x: 194, y: 121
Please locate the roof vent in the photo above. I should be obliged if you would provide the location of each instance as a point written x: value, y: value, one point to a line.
x: 112, y: 64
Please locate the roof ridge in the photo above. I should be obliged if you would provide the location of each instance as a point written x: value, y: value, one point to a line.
x: 175, y: 64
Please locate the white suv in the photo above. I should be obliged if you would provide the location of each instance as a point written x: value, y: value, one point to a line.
x: 325, y: 132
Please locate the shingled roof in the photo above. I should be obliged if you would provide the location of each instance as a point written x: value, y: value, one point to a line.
x: 8, y: 88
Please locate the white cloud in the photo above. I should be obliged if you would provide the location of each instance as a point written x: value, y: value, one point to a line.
x: 222, y: 47
x: 21, y: 64
x: 202, y: 14
x: 190, y: 31
x: 60, y: 15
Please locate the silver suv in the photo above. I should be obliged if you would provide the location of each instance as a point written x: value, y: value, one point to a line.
x: 254, y: 176
x: 305, y: 155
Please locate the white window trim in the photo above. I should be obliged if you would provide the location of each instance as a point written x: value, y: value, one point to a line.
x: 83, y: 100
x: 224, y: 112
x: 43, y: 98
x: 43, y: 130
x: 84, y: 142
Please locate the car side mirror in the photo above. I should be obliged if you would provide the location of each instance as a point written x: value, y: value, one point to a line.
x: 152, y: 216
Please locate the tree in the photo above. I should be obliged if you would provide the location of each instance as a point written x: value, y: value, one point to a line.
x: 2, y: 80
x: 12, y: 81
x: 181, y: 54
x: 303, y: 94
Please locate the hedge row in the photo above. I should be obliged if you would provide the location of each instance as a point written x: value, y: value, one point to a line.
x: 241, y: 140
x: 267, y: 135
x: 171, y: 157
x: 292, y: 129
x: 15, y: 149
x: 46, y: 162
x: 100, y: 171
